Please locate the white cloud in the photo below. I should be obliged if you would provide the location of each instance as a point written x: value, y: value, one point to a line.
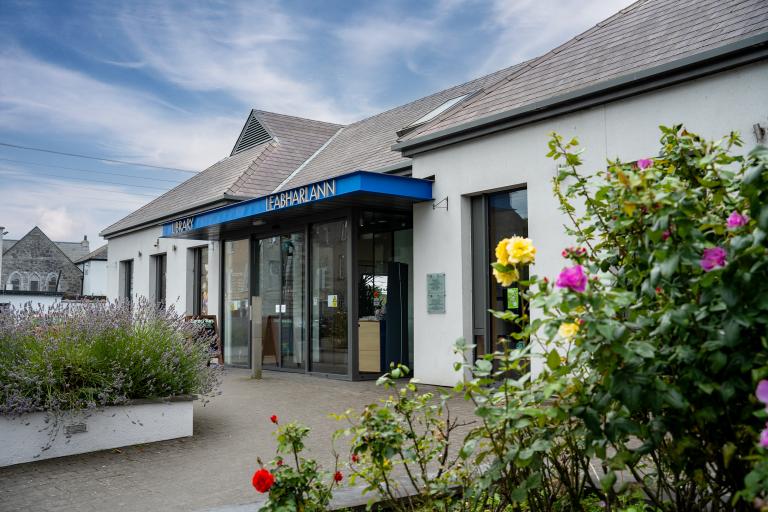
x: 243, y: 49
x: 124, y: 122
x: 65, y: 211
x: 529, y: 28
x: 57, y: 223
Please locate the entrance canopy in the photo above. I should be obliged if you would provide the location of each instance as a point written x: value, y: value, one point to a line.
x: 359, y: 188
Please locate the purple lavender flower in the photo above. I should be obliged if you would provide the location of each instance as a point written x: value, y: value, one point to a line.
x: 644, y: 163
x: 712, y: 258
x: 573, y: 278
x: 736, y: 220
x: 762, y: 391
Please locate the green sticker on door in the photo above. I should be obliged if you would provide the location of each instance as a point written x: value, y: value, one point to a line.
x: 513, y: 298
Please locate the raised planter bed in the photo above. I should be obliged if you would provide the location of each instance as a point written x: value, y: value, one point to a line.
x: 28, y: 438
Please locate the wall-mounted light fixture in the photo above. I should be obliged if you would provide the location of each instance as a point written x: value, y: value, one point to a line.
x: 174, y: 247
x: 759, y: 132
x: 258, y: 222
x: 139, y: 254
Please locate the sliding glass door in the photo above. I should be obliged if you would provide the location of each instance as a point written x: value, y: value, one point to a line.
x: 279, y: 299
x: 329, y: 340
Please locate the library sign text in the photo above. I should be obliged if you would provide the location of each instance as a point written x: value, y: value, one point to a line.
x: 302, y: 195
x: 182, y: 226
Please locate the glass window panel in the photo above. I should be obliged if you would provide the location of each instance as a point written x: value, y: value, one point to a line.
x: 201, y: 281
x: 237, y: 303
x: 507, y: 216
x: 329, y: 341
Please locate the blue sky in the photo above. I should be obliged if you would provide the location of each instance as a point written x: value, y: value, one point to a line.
x: 171, y: 83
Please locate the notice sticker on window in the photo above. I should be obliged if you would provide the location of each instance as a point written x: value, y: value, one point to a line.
x: 513, y: 298
x: 333, y: 301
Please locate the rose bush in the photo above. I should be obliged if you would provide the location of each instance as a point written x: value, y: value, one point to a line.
x: 301, y: 485
x: 654, y: 350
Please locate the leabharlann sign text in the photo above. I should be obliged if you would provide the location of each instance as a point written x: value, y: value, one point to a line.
x: 302, y: 195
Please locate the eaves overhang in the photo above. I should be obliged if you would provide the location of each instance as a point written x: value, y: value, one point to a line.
x: 739, y: 53
x: 356, y: 189
x: 208, y: 204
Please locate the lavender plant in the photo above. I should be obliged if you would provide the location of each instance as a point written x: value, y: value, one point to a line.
x: 86, y: 356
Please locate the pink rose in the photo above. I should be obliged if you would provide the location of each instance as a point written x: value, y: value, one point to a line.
x: 736, y: 220
x: 762, y: 391
x: 644, y: 163
x: 712, y: 258
x: 573, y: 278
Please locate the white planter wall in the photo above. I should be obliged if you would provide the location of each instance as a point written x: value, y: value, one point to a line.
x: 712, y: 106
x: 23, y: 438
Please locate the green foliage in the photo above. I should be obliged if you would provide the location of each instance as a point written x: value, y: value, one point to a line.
x: 300, y: 484
x: 80, y: 357
x: 649, y: 348
x: 401, y: 446
x: 673, y: 349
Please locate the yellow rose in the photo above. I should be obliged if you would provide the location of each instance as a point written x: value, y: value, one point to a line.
x: 520, y: 250
x: 568, y: 329
x: 506, y: 278
x: 501, y: 252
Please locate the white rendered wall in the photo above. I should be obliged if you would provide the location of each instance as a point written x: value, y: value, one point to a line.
x: 94, y: 277
x: 148, y: 243
x: 20, y: 300
x: 628, y: 129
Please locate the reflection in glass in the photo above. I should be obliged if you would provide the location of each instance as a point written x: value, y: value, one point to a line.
x: 507, y: 216
x: 329, y: 341
x: 201, y: 281
x: 236, y: 303
x: 280, y: 297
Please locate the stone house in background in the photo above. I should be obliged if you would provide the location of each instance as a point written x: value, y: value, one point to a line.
x: 36, y: 263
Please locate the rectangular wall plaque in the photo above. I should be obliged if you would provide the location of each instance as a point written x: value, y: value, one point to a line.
x: 436, y: 293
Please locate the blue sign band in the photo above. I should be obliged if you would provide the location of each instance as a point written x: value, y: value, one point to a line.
x: 358, y: 182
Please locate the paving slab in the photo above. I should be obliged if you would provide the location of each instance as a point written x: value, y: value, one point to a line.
x: 209, y: 471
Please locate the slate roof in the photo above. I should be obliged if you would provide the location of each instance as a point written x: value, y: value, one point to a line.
x: 72, y: 250
x: 250, y: 173
x: 366, y: 145
x: 648, y: 33
x: 99, y: 254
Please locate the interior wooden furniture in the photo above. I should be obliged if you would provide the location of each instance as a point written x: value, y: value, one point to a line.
x: 369, y: 336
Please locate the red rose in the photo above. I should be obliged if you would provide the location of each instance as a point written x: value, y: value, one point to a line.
x: 262, y: 480
x: 337, y: 476
x: 273, y: 419
x: 279, y: 462
x: 355, y: 458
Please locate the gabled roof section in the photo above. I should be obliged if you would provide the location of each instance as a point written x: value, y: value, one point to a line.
x: 99, y: 254
x: 60, y: 247
x: 253, y: 171
x: 646, y: 34
x: 72, y: 250
x: 366, y: 145
x: 252, y: 134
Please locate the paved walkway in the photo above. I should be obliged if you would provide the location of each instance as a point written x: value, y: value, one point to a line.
x: 209, y: 471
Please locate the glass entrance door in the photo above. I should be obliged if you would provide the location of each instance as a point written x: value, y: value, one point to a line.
x: 279, y: 300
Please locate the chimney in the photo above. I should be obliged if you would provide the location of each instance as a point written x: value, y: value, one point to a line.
x: 84, y: 243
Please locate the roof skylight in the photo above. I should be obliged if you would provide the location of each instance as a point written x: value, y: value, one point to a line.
x: 433, y: 113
